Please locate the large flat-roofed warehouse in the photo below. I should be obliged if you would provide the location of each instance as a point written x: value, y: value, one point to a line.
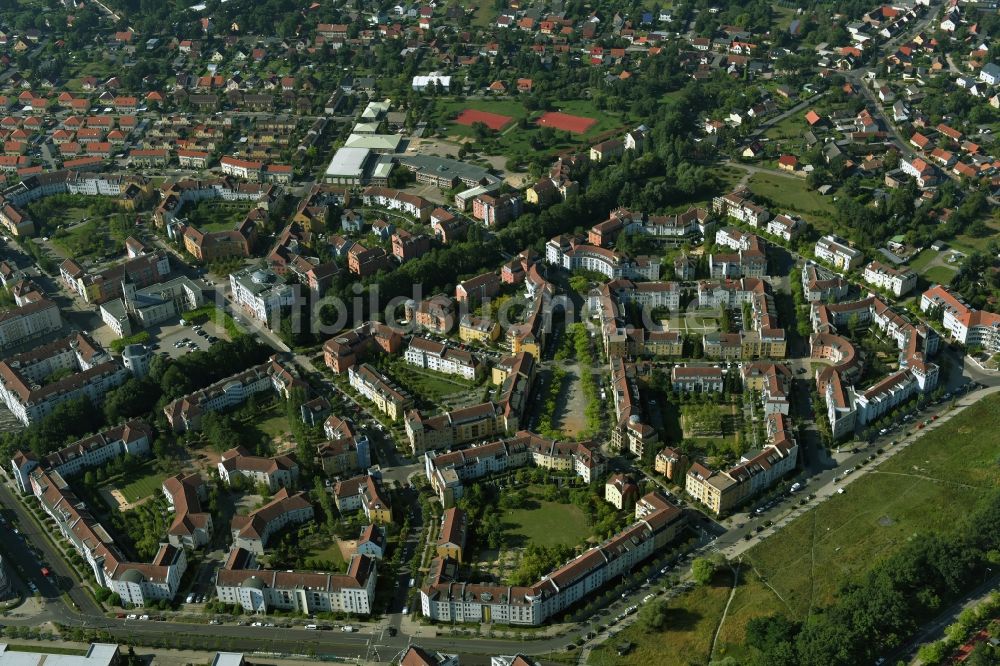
x: 348, y: 166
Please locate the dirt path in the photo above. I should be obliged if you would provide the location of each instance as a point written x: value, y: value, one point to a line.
x: 725, y: 611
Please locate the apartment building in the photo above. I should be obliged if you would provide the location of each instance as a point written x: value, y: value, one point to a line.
x: 449, y: 472
x: 478, y: 329
x: 715, y: 294
x: 133, y: 438
x: 139, y: 309
x: 572, y: 253
x: 33, y: 320
x: 252, y: 531
x: 372, y: 542
x: 191, y: 527
x: 185, y: 413
x: 968, y: 326
x: 65, y: 181
x: 175, y: 195
x: 821, y: 284
x: 376, y: 387
x: 496, y: 209
x: 440, y: 357
x: 838, y: 252
x: 849, y: 407
x: 445, y: 598
x: 477, y: 289
x: 136, y: 583
x: 454, y: 427
x: 261, y: 294
x: 699, y: 379
x: 749, y: 260
x: 630, y: 431
x: 721, y: 491
x: 453, y: 535
x: 670, y: 462
x: 647, y: 295
x: 274, y: 472
x: 773, y: 381
x: 347, y: 348
x: 308, y: 592
x: 785, y: 227
x: 740, y: 206
x: 364, y: 492
x: 417, y: 207
x: 489, y: 419
x: 621, y: 491
x: 141, y: 271
x: 83, y: 369
x: 895, y: 281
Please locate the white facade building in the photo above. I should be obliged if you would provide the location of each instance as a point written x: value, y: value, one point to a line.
x: 439, y: 357
x: 892, y: 280
x: 836, y: 251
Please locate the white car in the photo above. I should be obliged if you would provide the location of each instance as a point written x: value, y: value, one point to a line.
x: 132, y: 616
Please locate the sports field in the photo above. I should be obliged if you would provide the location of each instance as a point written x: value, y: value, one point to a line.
x: 566, y: 122
x: 494, y: 121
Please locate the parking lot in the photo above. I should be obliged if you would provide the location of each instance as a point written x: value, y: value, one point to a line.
x: 169, y: 339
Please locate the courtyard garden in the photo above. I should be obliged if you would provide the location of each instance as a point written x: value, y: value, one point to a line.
x: 214, y: 215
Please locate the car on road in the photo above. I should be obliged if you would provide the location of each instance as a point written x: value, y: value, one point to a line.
x: 132, y: 616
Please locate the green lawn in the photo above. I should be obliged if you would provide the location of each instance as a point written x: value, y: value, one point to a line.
x: 88, y: 240
x: 692, y: 619
x: 940, y: 275
x: 550, y: 524
x: 811, y: 558
x: 728, y: 176
x: 728, y: 444
x: 427, y: 384
x: 792, y: 127
x: 328, y: 554
x: 270, y: 421
x: 791, y: 193
x: 142, y: 487
x: 925, y: 488
x: 921, y: 261
x: 485, y: 16
x: 208, y: 216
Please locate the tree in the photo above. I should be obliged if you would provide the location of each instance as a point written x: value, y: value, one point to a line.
x: 702, y: 570
x: 653, y: 615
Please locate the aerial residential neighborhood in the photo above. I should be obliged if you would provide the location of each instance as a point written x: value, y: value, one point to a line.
x: 521, y: 333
